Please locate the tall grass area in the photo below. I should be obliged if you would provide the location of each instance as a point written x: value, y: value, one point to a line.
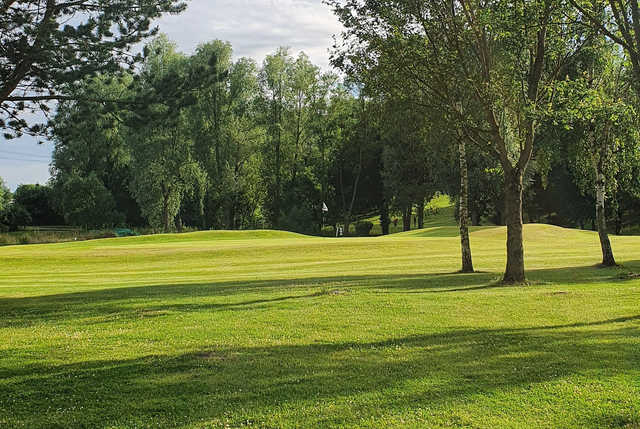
x: 276, y: 330
x: 39, y: 236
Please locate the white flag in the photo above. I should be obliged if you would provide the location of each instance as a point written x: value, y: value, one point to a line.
x: 325, y: 209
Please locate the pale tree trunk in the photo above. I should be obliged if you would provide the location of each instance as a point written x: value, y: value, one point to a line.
x: 420, y: 209
x: 465, y: 244
x: 607, y: 252
x: 514, y: 272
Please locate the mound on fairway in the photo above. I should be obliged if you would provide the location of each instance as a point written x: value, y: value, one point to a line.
x: 209, y: 236
x: 271, y: 329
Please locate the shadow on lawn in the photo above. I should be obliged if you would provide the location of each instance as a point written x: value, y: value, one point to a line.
x: 326, y: 384
x: 315, y: 382
x: 152, y: 300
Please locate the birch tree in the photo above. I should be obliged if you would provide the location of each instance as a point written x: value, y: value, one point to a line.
x: 505, y: 55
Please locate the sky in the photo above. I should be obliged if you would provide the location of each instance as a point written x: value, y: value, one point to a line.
x: 255, y: 28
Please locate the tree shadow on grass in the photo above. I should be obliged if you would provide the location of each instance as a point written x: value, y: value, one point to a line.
x: 300, y: 384
x: 153, y: 300
x: 457, y: 282
x: 308, y: 382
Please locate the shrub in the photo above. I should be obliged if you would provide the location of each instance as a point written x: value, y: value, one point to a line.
x: 88, y: 203
x: 18, y: 216
x: 298, y: 219
x: 363, y: 228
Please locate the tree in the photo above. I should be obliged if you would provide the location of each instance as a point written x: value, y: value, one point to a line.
x: 48, y: 45
x: 273, y: 80
x: 38, y: 201
x: 212, y: 64
x: 165, y: 168
x: 618, y: 20
x: 225, y: 132
x: 607, y: 128
x: 301, y: 91
x: 87, y: 202
x: 5, y: 202
x: 92, y: 138
x: 357, y: 158
x: 375, y: 63
x: 408, y: 159
x: 504, y: 57
x: 5, y: 196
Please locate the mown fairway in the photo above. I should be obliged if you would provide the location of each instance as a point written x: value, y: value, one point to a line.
x: 271, y: 329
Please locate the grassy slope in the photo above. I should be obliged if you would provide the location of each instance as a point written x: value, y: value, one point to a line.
x: 438, y: 212
x: 272, y: 329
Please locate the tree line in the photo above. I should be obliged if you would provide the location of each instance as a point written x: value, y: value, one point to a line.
x: 207, y: 141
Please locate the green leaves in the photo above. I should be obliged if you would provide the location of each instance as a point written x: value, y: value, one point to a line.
x: 43, y: 52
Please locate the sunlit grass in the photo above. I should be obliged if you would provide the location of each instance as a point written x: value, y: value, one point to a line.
x: 271, y: 329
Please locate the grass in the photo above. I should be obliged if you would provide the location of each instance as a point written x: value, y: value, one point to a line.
x: 271, y: 329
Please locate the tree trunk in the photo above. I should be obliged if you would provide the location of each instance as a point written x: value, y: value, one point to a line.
x: 420, y: 208
x: 465, y: 243
x: 296, y: 152
x: 514, y: 272
x: 385, y: 220
x: 619, y: 224
x: 406, y: 217
x: 232, y: 216
x: 475, y: 218
x: 607, y: 252
x: 354, y: 193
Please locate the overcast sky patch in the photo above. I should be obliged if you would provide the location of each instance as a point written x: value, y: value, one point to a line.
x: 256, y: 28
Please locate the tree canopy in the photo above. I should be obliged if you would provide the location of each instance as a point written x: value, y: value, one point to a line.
x: 47, y: 45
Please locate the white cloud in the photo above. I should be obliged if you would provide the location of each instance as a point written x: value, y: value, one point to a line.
x: 256, y: 28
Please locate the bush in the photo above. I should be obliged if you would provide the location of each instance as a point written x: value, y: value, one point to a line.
x: 18, y: 216
x: 38, y: 201
x: 298, y: 219
x: 88, y: 203
x: 363, y: 228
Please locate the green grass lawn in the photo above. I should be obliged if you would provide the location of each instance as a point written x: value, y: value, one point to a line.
x: 270, y: 329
